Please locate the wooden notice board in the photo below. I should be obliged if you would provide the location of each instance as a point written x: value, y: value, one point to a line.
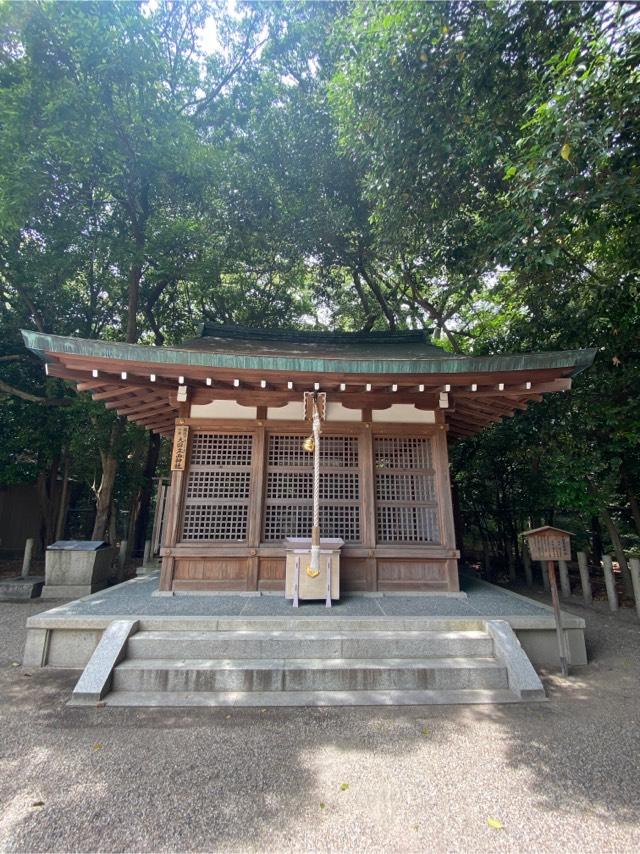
x: 180, y: 443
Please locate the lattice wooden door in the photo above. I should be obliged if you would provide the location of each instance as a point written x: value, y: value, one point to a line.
x: 406, y: 500
x: 218, y: 487
x: 289, y: 486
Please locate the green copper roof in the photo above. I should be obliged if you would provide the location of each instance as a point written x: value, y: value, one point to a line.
x: 298, y: 343
x: 296, y: 352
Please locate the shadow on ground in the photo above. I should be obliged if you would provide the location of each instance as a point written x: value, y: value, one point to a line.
x: 561, y: 775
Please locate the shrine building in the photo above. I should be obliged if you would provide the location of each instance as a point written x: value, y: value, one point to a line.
x: 242, y: 481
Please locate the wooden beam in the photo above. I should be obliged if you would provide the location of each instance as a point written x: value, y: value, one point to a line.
x: 117, y: 392
x: 94, y: 384
x: 134, y: 414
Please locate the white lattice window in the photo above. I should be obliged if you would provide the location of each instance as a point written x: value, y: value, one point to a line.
x: 406, y: 506
x: 289, y: 489
x: 217, y: 495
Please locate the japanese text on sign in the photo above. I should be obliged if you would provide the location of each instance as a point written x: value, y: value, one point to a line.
x: 180, y: 442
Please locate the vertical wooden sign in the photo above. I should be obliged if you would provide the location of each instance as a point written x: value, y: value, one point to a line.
x: 180, y: 443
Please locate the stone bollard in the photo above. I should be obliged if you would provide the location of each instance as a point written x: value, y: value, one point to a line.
x: 585, y: 581
x: 634, y: 568
x: 122, y: 556
x: 565, y: 584
x: 610, y: 582
x: 545, y: 576
x: 147, y: 552
x: 26, y: 560
x: 526, y: 560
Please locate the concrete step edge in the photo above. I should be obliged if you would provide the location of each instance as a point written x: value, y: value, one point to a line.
x: 449, y: 663
x: 284, y: 634
x: 252, y: 699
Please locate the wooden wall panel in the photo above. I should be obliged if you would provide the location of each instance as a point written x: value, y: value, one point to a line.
x: 357, y: 574
x: 212, y: 573
x: 271, y: 573
x: 412, y: 575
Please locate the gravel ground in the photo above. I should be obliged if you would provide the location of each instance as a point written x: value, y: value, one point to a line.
x: 557, y: 776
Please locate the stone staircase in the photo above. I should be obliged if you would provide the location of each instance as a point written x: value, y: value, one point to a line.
x: 276, y: 665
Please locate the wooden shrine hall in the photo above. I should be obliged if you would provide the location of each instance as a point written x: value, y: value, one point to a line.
x: 242, y: 481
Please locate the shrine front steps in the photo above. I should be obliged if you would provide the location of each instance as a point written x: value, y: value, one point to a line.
x: 291, y: 667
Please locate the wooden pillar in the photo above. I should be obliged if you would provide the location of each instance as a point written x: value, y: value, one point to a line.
x: 445, y: 504
x: 368, y: 502
x: 179, y: 470
x: 256, y: 503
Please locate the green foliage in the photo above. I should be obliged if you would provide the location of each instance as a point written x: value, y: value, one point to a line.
x: 467, y: 167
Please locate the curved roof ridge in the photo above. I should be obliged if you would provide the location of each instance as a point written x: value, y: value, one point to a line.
x: 379, y: 336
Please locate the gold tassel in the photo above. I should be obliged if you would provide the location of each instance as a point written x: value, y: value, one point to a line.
x: 309, y: 444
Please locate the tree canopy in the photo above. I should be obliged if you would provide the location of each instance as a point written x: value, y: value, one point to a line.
x: 464, y: 167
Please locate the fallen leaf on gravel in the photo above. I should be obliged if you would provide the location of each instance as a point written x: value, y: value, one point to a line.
x: 37, y: 804
x: 425, y: 730
x: 344, y: 787
x: 322, y: 805
x: 15, y: 664
x: 227, y: 717
x: 97, y: 746
x: 495, y: 823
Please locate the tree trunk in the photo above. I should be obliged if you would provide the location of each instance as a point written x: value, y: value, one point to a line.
x: 146, y: 491
x: 45, y: 485
x: 64, y: 498
x: 133, y: 297
x: 635, y: 507
x: 616, y: 542
x: 104, y: 492
x: 113, y: 523
x: 596, y: 540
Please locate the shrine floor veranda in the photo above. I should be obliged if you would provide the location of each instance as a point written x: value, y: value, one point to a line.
x: 136, y: 598
x: 66, y: 635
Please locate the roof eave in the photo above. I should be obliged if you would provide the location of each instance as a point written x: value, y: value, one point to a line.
x: 574, y: 361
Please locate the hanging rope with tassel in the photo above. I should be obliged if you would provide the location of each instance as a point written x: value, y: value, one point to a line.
x: 312, y: 443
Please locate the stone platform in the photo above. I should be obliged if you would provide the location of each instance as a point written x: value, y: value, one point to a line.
x: 21, y: 588
x: 67, y: 635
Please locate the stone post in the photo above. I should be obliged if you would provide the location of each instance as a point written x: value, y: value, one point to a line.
x: 545, y: 576
x: 122, y: 557
x: 634, y: 568
x: 147, y: 552
x: 526, y: 560
x: 565, y: 585
x: 585, y: 581
x: 610, y: 582
x: 26, y: 560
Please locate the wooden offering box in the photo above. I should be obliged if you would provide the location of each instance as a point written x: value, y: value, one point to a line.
x: 298, y: 557
x: 549, y: 543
